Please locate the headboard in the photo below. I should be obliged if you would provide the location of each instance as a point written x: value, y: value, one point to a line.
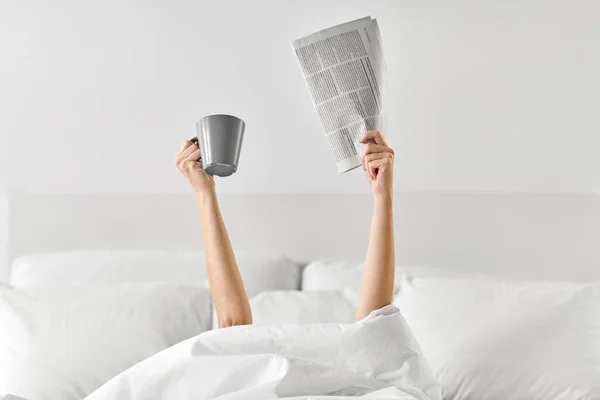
x: 549, y: 236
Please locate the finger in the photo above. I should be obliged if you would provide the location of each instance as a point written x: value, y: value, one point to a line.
x: 195, y: 156
x: 184, y: 146
x: 381, y: 163
x: 369, y: 158
x: 376, y: 165
x: 186, y: 152
x: 372, y: 168
x: 375, y: 156
x: 373, y: 135
x: 187, y: 166
x: 191, y: 166
x: 367, y: 173
x: 373, y: 148
x: 377, y: 148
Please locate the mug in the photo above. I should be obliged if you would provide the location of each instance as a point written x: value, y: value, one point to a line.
x: 220, y: 140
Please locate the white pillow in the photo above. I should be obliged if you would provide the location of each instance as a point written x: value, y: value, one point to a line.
x: 65, y: 269
x: 65, y: 343
x: 282, y: 307
x: 77, y: 268
x: 311, y: 307
x: 341, y: 274
x: 507, y: 340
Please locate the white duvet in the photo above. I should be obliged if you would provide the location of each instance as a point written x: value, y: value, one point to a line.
x: 377, y: 358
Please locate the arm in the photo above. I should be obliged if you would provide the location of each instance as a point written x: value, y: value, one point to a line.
x: 377, y: 286
x: 224, y: 279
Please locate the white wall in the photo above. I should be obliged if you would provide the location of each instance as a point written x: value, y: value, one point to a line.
x: 484, y: 95
x: 521, y: 235
x: 500, y: 96
x: 4, y: 263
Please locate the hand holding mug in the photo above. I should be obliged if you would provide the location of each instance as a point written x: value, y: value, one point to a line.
x: 189, y: 163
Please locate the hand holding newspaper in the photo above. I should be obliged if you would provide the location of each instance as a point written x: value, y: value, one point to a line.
x: 345, y: 74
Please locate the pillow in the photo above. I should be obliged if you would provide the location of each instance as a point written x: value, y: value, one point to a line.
x: 282, y: 307
x: 332, y: 275
x: 314, y: 307
x: 77, y: 268
x: 507, y: 340
x: 341, y: 274
x: 65, y: 343
x: 260, y: 271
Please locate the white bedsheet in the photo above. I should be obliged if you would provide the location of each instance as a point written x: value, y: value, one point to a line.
x: 377, y: 357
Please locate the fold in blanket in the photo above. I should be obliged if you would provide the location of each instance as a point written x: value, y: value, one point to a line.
x: 377, y: 358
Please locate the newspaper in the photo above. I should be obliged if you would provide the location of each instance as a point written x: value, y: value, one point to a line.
x: 345, y: 72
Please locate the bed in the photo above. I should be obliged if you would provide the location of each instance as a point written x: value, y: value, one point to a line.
x: 499, y: 320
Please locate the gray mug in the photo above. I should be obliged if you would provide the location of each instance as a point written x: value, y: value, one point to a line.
x: 220, y: 139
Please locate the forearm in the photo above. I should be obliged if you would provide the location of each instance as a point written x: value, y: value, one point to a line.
x: 378, y: 276
x: 226, y: 285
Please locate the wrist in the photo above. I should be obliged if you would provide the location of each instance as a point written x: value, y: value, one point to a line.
x: 206, y: 195
x: 384, y: 196
x: 384, y: 199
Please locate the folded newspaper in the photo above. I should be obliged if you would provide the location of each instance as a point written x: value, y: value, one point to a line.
x: 344, y: 71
